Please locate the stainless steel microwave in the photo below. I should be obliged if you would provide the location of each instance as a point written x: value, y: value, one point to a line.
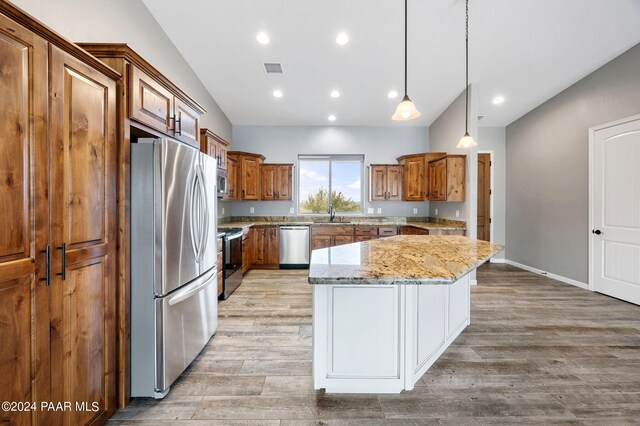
x: 222, y: 183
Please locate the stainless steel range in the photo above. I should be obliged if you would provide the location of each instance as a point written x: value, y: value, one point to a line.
x: 174, y: 303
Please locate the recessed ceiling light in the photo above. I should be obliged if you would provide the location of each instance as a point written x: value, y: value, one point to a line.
x: 498, y: 100
x: 392, y: 94
x: 335, y: 94
x: 342, y: 39
x: 263, y: 38
x: 277, y: 93
x: 332, y: 117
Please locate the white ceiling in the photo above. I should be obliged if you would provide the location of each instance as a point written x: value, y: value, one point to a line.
x: 525, y: 50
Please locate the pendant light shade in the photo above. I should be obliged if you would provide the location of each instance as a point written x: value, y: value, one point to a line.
x: 466, y: 141
x: 406, y: 110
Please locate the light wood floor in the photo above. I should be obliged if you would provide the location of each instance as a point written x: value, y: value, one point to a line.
x: 537, y: 352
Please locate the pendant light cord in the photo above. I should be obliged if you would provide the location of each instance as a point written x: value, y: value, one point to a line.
x: 405, y: 48
x: 466, y: 87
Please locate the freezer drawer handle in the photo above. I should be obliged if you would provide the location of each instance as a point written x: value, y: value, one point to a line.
x: 189, y: 291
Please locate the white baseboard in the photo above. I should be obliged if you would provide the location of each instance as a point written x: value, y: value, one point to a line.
x: 548, y: 274
x: 494, y: 260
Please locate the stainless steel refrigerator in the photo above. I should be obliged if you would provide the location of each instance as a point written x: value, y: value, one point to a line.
x: 174, y: 296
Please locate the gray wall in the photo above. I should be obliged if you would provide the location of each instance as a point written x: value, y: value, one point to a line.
x: 547, y: 167
x: 283, y: 144
x: 128, y: 21
x: 493, y: 139
x: 444, y: 134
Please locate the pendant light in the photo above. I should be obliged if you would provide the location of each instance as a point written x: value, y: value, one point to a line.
x: 466, y: 141
x: 406, y: 110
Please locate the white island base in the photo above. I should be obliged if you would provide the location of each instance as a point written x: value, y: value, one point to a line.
x: 383, y: 338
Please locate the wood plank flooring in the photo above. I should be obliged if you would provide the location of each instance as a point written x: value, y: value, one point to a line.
x: 537, y: 352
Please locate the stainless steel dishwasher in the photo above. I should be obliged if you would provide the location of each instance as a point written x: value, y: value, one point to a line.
x: 294, y: 246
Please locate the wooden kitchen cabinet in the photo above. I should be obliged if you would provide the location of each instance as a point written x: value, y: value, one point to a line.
x: 447, y: 178
x: 248, y: 175
x: 414, y: 175
x: 216, y: 147
x: 58, y: 172
x: 153, y: 104
x: 220, y: 264
x: 232, y: 178
x: 323, y: 236
x: 247, y: 249
x: 266, y: 247
x: 276, y: 181
x: 385, y: 182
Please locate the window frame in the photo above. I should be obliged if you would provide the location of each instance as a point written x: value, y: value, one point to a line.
x: 330, y: 158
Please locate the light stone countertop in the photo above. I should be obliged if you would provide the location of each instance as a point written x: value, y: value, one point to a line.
x: 403, y: 259
x: 421, y: 225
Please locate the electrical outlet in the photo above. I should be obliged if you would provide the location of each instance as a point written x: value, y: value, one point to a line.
x: 292, y: 210
x: 252, y: 210
x: 436, y: 212
x: 379, y: 210
x: 370, y: 210
x: 457, y: 213
x: 415, y: 211
x: 223, y: 210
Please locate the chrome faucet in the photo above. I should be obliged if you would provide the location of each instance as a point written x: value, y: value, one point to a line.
x: 332, y: 214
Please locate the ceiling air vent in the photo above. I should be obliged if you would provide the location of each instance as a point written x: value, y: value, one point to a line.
x: 272, y: 68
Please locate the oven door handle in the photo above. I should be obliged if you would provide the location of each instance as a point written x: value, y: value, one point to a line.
x: 233, y: 236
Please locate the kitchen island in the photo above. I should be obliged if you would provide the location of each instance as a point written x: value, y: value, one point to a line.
x: 385, y: 310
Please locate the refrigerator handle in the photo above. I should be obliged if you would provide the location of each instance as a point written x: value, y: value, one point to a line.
x: 205, y: 205
x: 192, y: 208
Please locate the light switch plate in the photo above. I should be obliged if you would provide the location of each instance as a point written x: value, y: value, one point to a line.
x: 379, y: 210
x: 415, y: 211
x: 292, y: 210
x: 223, y: 210
x: 457, y: 213
x: 252, y: 210
x: 436, y: 212
x: 370, y: 210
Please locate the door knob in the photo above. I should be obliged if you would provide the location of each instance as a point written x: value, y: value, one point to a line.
x: 596, y: 231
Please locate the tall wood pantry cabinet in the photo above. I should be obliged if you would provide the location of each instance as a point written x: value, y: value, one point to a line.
x: 58, y: 215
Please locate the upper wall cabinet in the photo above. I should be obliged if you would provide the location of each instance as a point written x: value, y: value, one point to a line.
x: 248, y: 176
x: 277, y: 181
x: 152, y: 99
x: 385, y: 182
x: 215, y: 146
x: 446, y: 178
x: 415, y: 179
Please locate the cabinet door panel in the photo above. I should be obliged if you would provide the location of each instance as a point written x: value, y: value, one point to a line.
x: 187, y: 123
x: 284, y: 179
x: 321, y: 241
x: 268, y: 182
x: 24, y: 216
x: 342, y: 239
x: 394, y: 183
x: 414, y: 172
x: 272, y: 246
x: 378, y: 183
x: 150, y: 102
x: 250, y: 178
x: 232, y: 179
x: 83, y: 185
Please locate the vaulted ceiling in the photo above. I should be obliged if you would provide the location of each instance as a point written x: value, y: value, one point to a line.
x: 524, y: 50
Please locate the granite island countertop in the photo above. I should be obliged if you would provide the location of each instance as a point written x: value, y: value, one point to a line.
x: 403, y: 259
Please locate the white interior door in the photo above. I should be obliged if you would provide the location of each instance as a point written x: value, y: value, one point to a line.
x: 616, y: 210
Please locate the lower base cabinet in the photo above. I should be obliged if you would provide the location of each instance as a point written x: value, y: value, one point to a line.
x: 247, y: 249
x: 266, y: 252
x: 220, y: 267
